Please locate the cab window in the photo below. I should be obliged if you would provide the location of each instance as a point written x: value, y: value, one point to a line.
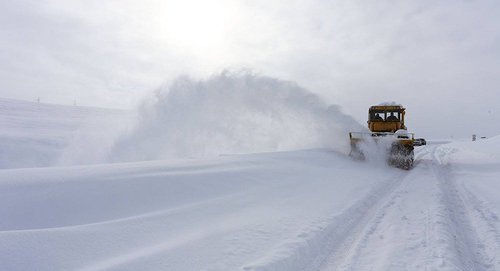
x: 377, y: 116
x: 393, y: 116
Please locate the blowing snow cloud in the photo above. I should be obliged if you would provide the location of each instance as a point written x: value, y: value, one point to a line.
x: 232, y: 113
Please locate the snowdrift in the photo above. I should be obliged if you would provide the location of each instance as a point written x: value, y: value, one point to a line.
x: 39, y: 135
x: 483, y: 151
x: 232, y: 113
x: 241, y: 212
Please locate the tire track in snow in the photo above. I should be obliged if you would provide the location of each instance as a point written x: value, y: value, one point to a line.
x: 334, y: 242
x: 345, y: 256
x: 489, y: 235
x: 369, y: 238
x: 348, y: 259
x: 370, y: 225
x: 365, y: 223
x: 444, y: 237
x: 467, y: 245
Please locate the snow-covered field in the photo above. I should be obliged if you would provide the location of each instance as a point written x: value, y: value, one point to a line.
x: 292, y: 210
x: 37, y: 134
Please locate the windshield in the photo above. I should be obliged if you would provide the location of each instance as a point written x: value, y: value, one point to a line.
x: 385, y: 116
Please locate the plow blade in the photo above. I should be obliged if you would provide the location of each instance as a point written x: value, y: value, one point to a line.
x: 397, y: 149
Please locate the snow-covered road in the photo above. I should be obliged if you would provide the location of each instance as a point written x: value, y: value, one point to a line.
x: 427, y: 222
x: 303, y: 210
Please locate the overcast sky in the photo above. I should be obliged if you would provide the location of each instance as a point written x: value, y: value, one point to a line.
x: 441, y: 59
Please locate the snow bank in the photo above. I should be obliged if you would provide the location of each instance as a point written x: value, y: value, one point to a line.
x: 232, y: 113
x: 484, y: 151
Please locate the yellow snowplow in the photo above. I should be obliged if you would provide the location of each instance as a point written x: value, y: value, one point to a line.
x: 388, y: 134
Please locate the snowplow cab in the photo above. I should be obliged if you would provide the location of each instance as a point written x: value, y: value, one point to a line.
x: 386, y: 118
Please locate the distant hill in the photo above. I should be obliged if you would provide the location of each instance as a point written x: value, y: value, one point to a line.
x: 35, y: 134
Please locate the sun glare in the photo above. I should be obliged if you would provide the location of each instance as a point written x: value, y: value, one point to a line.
x: 196, y: 24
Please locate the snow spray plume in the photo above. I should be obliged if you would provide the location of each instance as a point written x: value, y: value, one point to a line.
x: 232, y: 113
x: 92, y: 142
x: 376, y: 152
